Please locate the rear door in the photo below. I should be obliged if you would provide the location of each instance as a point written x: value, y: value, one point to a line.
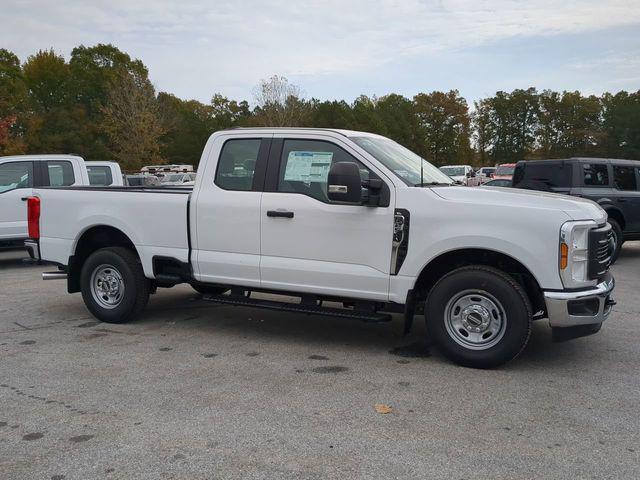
x: 225, y: 221
x: 16, y: 183
x: 310, y: 244
x: 627, y: 194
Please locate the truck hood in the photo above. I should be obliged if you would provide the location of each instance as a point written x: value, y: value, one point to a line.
x: 576, y: 208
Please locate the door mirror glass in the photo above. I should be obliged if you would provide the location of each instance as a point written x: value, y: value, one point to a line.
x: 344, y: 184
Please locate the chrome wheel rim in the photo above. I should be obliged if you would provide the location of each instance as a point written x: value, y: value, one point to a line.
x: 475, y: 319
x: 107, y: 286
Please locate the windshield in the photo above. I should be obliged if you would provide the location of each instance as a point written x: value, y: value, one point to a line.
x: 453, y: 171
x: 402, y: 161
x: 505, y: 170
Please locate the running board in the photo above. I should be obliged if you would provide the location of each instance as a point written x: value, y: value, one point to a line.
x: 365, y: 316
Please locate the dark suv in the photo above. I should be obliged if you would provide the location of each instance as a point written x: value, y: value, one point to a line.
x: 613, y: 184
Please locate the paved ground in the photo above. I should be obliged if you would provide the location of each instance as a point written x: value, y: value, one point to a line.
x: 193, y: 391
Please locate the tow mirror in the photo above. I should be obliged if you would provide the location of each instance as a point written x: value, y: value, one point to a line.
x: 344, y: 184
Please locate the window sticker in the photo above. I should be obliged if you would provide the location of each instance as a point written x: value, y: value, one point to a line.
x: 308, y: 166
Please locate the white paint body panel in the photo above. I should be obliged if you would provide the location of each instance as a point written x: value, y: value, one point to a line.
x: 326, y: 248
x: 225, y: 225
x: 67, y: 214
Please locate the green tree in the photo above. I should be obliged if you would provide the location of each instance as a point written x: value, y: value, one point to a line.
x: 569, y: 124
x: 331, y: 114
x: 93, y: 70
x: 365, y: 114
x: 621, y: 124
x: 397, y: 116
x: 13, y: 98
x: 443, y: 127
x: 227, y: 113
x: 132, y: 121
x: 483, y: 129
x: 52, y: 123
x: 509, y: 123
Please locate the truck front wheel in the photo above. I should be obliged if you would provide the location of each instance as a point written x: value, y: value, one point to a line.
x: 113, y: 284
x: 478, y: 316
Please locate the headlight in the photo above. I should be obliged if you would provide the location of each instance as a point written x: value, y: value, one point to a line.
x: 574, y: 253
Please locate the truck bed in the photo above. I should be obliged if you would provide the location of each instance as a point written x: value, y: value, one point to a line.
x: 154, y: 218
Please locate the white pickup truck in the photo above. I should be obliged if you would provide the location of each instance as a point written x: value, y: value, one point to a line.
x: 20, y: 174
x: 338, y: 216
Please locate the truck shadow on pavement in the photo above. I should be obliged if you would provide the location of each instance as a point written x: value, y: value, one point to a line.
x: 313, y: 332
x: 15, y: 259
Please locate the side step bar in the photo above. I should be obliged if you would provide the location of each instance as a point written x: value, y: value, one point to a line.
x: 366, y: 316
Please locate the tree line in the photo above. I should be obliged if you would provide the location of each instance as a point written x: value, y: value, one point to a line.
x: 100, y: 104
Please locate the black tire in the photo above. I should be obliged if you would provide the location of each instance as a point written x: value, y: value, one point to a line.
x: 136, y: 286
x: 486, y: 286
x: 208, y: 289
x: 618, y: 238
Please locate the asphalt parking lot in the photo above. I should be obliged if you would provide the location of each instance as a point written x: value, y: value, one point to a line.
x: 196, y: 391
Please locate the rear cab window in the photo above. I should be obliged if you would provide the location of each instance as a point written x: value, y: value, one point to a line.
x: 237, y: 164
x: 59, y: 173
x: 99, y: 175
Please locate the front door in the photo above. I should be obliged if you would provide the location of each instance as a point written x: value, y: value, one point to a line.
x: 310, y: 244
x: 16, y: 182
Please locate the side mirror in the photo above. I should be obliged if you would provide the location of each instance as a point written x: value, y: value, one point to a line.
x: 472, y: 174
x: 344, y: 184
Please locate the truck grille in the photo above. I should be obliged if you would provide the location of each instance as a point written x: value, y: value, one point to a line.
x: 600, y: 251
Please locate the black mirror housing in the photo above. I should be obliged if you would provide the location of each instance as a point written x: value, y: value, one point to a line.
x: 344, y: 184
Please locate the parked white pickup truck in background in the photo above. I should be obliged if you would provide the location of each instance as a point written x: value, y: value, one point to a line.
x: 338, y: 216
x: 20, y: 174
x: 104, y: 173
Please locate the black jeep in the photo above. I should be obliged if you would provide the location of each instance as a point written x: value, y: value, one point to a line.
x: 613, y: 184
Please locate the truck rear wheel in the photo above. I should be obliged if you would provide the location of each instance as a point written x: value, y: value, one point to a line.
x: 478, y: 316
x: 113, y: 285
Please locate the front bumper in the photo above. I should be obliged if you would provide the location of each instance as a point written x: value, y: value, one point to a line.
x: 583, y: 307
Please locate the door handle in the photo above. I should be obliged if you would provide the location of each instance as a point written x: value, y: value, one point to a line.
x: 279, y: 213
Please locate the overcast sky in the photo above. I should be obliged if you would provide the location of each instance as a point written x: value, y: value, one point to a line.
x: 340, y: 49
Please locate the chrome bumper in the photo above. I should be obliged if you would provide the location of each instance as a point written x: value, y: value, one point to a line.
x: 584, y: 307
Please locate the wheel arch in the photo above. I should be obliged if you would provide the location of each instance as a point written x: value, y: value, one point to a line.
x: 448, y: 261
x: 90, y: 240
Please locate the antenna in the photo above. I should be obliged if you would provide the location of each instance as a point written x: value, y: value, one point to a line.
x: 421, y: 172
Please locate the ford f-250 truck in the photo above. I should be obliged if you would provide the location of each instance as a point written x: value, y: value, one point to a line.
x: 338, y: 216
